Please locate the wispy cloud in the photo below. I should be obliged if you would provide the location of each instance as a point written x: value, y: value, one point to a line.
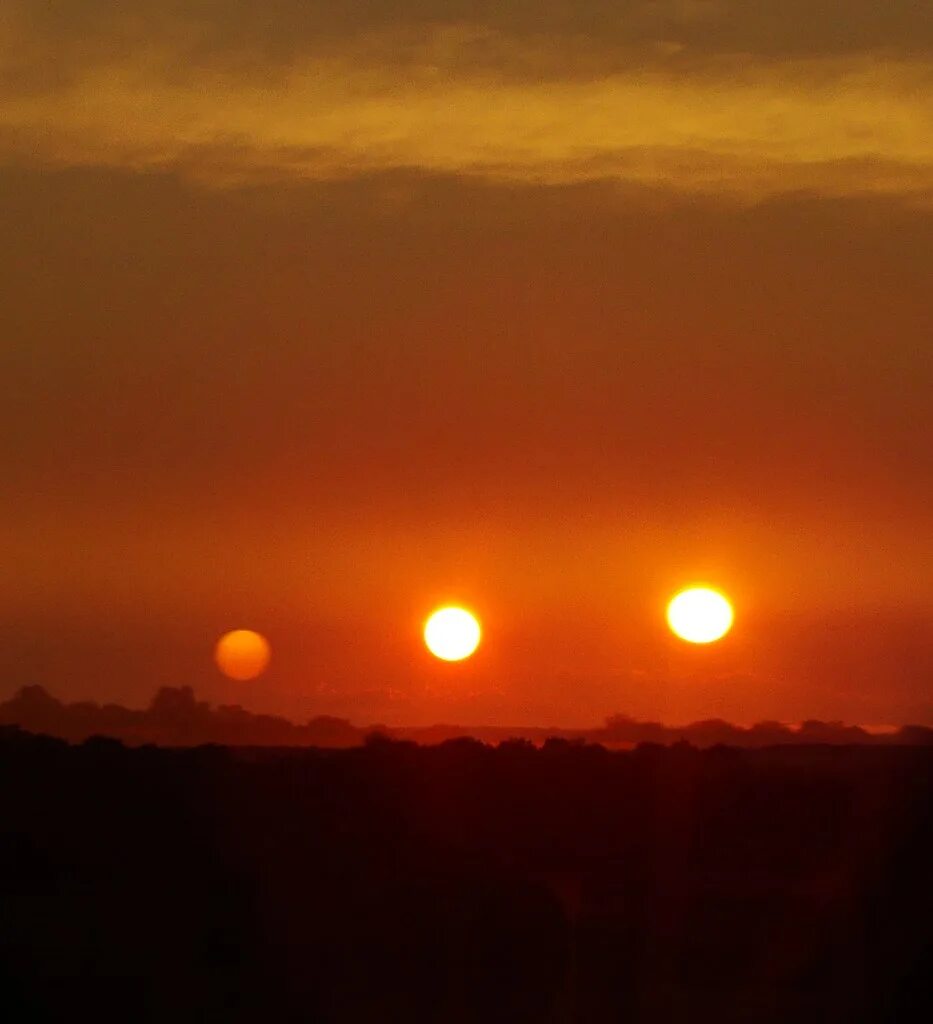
x: 466, y: 100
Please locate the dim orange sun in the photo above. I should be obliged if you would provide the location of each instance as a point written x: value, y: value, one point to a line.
x: 242, y: 654
x: 700, y: 615
x: 452, y: 634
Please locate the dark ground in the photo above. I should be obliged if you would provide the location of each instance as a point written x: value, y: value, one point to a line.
x: 465, y: 883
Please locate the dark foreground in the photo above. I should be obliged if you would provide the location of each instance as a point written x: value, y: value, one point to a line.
x: 461, y: 883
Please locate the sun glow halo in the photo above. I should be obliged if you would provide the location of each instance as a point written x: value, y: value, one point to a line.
x: 700, y: 615
x: 452, y: 634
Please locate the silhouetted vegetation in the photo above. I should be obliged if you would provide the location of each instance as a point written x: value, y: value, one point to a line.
x: 175, y: 718
x: 462, y: 882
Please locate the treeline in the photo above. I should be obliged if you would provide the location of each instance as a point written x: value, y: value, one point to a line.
x: 175, y: 717
x: 465, y: 883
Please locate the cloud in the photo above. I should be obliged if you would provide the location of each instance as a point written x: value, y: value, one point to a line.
x: 484, y: 101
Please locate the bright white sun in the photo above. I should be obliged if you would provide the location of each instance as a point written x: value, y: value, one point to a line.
x: 700, y: 615
x: 452, y: 634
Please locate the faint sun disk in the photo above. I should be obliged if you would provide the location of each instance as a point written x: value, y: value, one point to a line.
x: 452, y: 634
x: 700, y: 615
x: 242, y: 654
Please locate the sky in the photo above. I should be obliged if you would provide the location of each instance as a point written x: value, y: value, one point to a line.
x: 315, y: 317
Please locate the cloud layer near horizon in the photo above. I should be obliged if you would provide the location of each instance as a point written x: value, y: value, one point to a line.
x: 688, y: 96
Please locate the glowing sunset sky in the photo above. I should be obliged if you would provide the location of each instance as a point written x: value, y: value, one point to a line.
x: 316, y: 317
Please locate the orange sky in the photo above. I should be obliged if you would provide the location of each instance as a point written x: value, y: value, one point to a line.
x: 311, y: 321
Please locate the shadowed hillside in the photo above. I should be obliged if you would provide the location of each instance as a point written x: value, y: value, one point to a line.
x: 465, y: 883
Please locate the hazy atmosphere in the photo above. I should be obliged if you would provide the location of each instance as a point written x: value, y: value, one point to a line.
x: 313, y: 318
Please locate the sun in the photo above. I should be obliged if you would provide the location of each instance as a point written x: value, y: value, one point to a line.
x: 700, y: 615
x: 242, y: 654
x: 452, y: 634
